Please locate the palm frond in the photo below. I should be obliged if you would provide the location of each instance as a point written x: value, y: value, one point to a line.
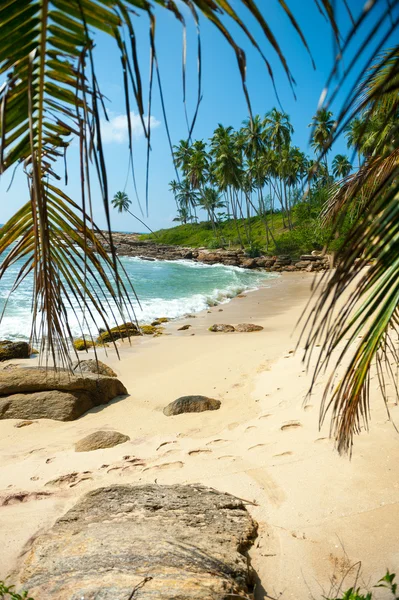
x: 50, y: 95
x: 363, y: 333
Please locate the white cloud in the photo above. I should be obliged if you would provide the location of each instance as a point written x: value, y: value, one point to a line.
x: 116, y: 129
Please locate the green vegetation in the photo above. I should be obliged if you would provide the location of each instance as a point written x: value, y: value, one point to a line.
x: 258, y: 190
x: 355, y: 593
x: 9, y: 593
x: 51, y: 96
x: 306, y: 235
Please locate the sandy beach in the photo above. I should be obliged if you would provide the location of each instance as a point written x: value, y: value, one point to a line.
x: 318, y: 512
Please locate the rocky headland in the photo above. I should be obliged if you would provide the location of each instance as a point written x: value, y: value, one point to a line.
x: 129, y: 244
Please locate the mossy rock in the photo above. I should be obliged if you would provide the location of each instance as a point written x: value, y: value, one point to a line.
x: 163, y: 319
x: 151, y: 329
x: 83, y: 344
x: 117, y: 333
x: 10, y: 350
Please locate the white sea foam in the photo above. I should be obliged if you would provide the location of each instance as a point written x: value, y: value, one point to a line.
x: 165, y: 289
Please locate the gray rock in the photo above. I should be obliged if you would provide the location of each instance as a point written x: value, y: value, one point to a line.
x: 171, y: 542
x: 9, y: 350
x: 46, y: 394
x: 99, y: 440
x: 91, y: 365
x: 248, y: 327
x: 222, y: 328
x: 190, y: 404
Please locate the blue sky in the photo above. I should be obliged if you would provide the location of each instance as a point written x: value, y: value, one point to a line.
x: 223, y: 100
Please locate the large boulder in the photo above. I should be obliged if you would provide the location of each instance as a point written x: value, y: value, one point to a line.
x: 167, y: 542
x: 9, y: 350
x: 248, y: 327
x: 83, y: 344
x: 222, y: 328
x: 120, y: 332
x: 191, y: 404
x: 46, y: 394
x: 91, y: 365
x: 100, y: 440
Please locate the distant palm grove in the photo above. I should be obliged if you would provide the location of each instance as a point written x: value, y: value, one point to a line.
x: 258, y: 190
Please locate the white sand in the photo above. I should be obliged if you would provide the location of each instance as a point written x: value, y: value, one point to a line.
x: 317, y: 512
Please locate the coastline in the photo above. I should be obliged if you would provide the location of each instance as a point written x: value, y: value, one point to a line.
x: 129, y: 244
x: 316, y: 511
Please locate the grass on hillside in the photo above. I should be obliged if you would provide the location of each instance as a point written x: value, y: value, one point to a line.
x: 306, y: 236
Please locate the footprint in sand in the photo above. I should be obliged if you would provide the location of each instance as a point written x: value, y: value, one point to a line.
x: 172, y: 465
x: 322, y: 439
x: 232, y: 426
x: 49, y: 460
x: 308, y: 407
x: 291, y: 425
x: 70, y: 479
x: 217, y: 442
x: 132, y: 461
x: 251, y: 428
x: 20, y: 497
x: 170, y: 452
x: 199, y: 451
x: 288, y: 453
x: 227, y: 457
x: 257, y: 447
x: 165, y: 444
x: 265, y: 416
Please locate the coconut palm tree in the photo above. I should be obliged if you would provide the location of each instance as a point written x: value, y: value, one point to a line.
x: 277, y: 129
x: 341, y: 166
x: 122, y: 204
x: 183, y: 216
x: 322, y: 126
x: 187, y: 197
x: 182, y: 153
x: 50, y: 95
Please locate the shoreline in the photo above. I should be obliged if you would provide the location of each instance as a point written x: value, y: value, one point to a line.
x: 317, y: 512
x: 128, y: 244
x: 225, y: 298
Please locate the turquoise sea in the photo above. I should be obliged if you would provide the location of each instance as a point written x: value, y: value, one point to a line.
x: 165, y: 289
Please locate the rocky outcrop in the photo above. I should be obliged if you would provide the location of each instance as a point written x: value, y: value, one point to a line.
x: 9, y: 350
x: 248, y: 327
x: 191, y: 404
x: 130, y: 245
x: 99, y: 440
x: 83, y: 344
x: 91, y: 365
x: 120, y: 332
x: 46, y: 394
x: 171, y: 542
x: 221, y: 328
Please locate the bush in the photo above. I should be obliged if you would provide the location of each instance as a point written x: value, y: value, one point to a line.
x: 253, y: 251
x: 386, y: 582
x: 8, y: 593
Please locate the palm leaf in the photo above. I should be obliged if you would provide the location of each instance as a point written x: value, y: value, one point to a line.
x: 51, y: 95
x: 364, y: 332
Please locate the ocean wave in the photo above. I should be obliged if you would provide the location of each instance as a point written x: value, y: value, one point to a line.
x: 165, y: 289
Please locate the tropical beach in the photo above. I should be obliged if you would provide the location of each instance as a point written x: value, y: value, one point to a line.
x: 199, y: 300
x: 319, y: 515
